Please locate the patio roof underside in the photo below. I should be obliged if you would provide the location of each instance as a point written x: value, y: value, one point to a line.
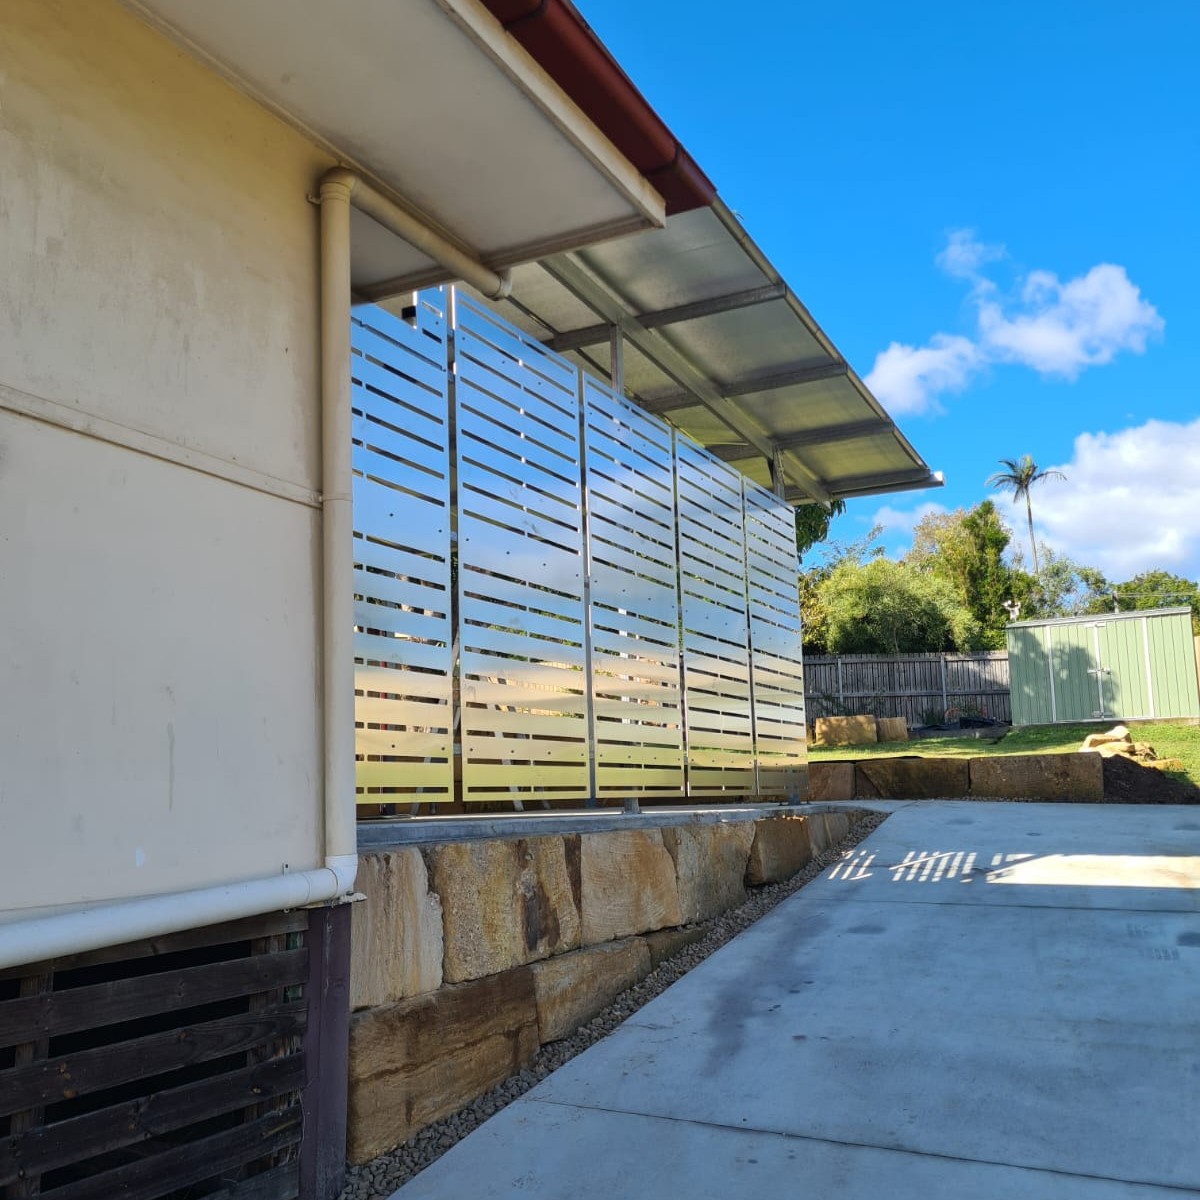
x: 714, y: 341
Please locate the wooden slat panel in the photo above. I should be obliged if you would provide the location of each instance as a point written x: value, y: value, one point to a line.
x: 192, y: 1163
x: 69, y: 1010
x: 70, y: 1075
x: 83, y: 1137
x: 280, y: 1183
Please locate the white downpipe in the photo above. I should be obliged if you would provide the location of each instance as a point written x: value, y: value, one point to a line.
x: 493, y: 284
x: 114, y: 922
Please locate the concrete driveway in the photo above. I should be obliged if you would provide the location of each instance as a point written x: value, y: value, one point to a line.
x: 994, y: 1000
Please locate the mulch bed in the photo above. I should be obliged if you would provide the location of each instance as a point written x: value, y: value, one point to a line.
x: 1128, y: 782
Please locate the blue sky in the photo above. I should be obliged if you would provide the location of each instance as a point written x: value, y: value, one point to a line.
x: 994, y: 211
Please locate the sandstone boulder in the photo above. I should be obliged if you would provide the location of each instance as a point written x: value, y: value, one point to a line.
x: 666, y: 943
x: 910, y: 778
x: 396, y: 934
x: 414, y: 1062
x: 710, y: 866
x: 781, y: 846
x: 892, y: 729
x: 571, y: 989
x: 830, y: 781
x: 1116, y: 735
x: 627, y: 884
x: 1063, y: 777
x: 845, y: 731
x: 504, y: 903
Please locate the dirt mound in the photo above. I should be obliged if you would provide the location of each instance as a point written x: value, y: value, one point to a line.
x: 1127, y: 782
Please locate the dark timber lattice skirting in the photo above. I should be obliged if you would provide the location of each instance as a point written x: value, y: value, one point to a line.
x: 180, y: 1067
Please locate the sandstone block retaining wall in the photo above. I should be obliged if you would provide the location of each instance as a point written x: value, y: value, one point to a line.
x: 1056, y: 777
x: 467, y: 956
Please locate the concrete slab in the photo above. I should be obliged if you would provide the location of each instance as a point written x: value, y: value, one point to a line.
x: 872, y: 1037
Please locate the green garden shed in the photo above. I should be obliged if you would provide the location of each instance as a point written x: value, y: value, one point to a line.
x: 1118, y: 665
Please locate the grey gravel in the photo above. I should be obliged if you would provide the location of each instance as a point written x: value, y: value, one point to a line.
x: 378, y: 1179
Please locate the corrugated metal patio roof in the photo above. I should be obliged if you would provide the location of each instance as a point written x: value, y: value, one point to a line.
x: 713, y: 339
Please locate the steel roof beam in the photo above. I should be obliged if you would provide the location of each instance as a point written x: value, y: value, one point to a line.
x: 601, y: 300
x: 826, y: 436
x: 593, y: 335
x: 812, y: 372
x: 850, y: 485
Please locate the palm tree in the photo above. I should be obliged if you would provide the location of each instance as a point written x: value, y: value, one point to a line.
x: 1021, y: 475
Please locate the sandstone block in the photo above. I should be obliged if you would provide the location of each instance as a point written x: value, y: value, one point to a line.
x: 830, y: 781
x: 892, y: 729
x: 710, y: 866
x: 572, y: 988
x: 781, y: 846
x: 845, y: 731
x: 666, y: 943
x: 414, y: 1062
x: 911, y: 778
x: 396, y: 933
x: 504, y: 903
x: 837, y: 826
x: 627, y: 884
x: 1039, y: 776
x: 1118, y: 733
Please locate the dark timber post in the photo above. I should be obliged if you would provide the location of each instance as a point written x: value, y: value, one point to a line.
x: 326, y: 1052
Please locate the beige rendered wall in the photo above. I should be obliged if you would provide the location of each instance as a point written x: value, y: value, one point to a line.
x: 159, y: 463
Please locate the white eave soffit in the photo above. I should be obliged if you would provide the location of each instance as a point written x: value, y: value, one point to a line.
x: 433, y: 102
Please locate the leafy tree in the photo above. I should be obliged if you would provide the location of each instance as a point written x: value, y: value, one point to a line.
x: 886, y: 607
x: 1019, y: 478
x: 812, y: 524
x: 1065, y: 588
x: 966, y: 549
x: 1152, y: 589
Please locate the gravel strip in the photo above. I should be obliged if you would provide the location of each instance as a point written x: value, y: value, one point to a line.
x: 377, y: 1179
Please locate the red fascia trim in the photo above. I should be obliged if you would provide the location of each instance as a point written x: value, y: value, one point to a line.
x: 557, y: 36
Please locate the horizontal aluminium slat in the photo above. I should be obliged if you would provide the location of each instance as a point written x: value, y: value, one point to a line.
x: 480, y: 724
x: 375, y: 586
x: 421, y: 569
x: 485, y: 777
x: 398, y: 681
x: 408, y: 384
x: 373, y: 648
x: 392, y: 454
x: 384, y: 512
x: 394, y: 744
x: 433, y: 777
x: 494, y: 451
x: 633, y: 635
x: 644, y: 560
x: 488, y: 340
x: 374, y: 710
x: 534, y: 624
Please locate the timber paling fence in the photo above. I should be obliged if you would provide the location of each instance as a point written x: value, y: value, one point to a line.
x: 917, y: 687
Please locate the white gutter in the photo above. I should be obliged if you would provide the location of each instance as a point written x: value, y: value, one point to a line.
x: 493, y: 284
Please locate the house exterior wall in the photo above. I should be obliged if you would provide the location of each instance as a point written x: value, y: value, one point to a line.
x: 159, y: 468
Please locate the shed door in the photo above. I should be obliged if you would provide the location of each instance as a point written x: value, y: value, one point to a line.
x: 1076, y: 682
x: 1121, y: 667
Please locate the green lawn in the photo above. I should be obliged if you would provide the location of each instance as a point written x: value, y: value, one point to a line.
x: 1169, y: 741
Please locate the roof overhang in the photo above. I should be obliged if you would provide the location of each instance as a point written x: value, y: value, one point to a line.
x: 712, y: 339
x: 441, y: 109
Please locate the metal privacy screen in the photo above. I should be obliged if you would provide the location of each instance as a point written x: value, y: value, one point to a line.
x: 557, y: 596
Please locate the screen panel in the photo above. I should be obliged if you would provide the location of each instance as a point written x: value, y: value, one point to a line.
x: 634, y: 606
x: 403, y: 661
x: 716, y: 654
x: 776, y: 661
x: 523, y: 669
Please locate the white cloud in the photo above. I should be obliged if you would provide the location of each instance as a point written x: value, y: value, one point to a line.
x: 965, y: 254
x: 1131, y: 502
x: 1054, y: 328
x: 1066, y: 327
x: 900, y: 522
x: 907, y: 378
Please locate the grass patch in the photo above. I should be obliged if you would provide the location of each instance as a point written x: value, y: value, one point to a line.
x: 1168, y: 739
